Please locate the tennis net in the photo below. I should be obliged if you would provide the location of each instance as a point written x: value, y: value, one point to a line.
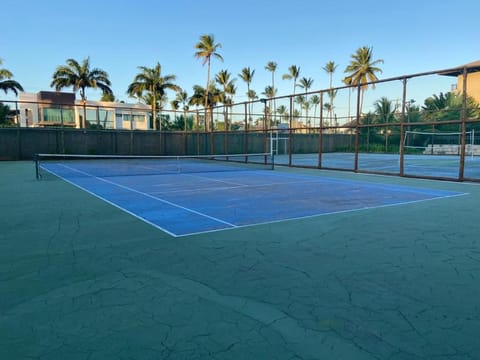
x: 132, y: 165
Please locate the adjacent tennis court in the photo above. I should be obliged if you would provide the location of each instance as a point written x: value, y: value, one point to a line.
x: 445, y: 166
x: 138, y: 262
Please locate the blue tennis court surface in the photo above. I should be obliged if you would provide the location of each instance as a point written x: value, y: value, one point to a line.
x: 191, y: 203
x: 446, y: 166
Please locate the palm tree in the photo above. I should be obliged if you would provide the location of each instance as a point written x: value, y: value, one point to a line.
x: 385, y: 114
x: 306, y: 84
x: 315, y: 101
x: 283, y: 112
x: 272, y: 67
x: 247, y: 76
x: 175, y: 105
x: 199, y: 95
x: 385, y: 110
x: 231, y: 90
x: 348, y: 81
x: 151, y: 82
x: 206, y: 48
x: 328, y: 108
x: 182, y: 98
x: 80, y: 76
x: 330, y: 68
x: 224, y: 79
x: 270, y: 93
x: 6, y: 82
x: 293, y: 74
x: 362, y: 69
x: 300, y: 100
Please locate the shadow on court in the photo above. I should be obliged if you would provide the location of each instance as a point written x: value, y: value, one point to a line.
x: 81, y: 279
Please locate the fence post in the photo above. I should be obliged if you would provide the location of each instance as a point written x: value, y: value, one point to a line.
x: 402, y: 126
x: 320, y: 133
x: 463, y: 116
x: 357, y: 123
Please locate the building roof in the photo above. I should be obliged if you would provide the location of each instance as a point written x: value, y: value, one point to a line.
x: 471, y: 67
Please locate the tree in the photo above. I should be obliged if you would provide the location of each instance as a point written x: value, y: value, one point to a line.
x: 224, y: 79
x: 330, y: 68
x: 206, y: 48
x: 328, y: 108
x: 252, y: 95
x: 348, y: 81
x: 270, y: 93
x: 150, y: 82
x: 306, y: 84
x: 448, y: 106
x: 4, y: 112
x: 300, y: 100
x: 362, y: 69
x: 272, y: 67
x: 247, y: 76
x: 231, y: 90
x: 182, y: 98
x: 6, y: 82
x: 385, y: 111
x: 199, y: 98
x: 108, y: 97
x: 80, y: 77
x: 384, y: 114
x: 315, y: 101
x: 293, y: 74
x: 283, y: 112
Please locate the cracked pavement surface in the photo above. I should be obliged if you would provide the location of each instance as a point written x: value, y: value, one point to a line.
x: 80, y: 279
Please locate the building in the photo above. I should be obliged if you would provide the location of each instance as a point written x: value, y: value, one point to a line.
x: 473, y: 79
x: 61, y: 109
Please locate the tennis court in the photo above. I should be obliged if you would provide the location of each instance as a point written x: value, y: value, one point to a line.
x: 251, y: 264
x: 188, y: 195
x: 444, y: 166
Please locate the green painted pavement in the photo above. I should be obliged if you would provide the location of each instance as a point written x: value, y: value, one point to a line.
x: 80, y: 279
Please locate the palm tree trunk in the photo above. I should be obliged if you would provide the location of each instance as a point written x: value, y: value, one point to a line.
x: 84, y: 101
x: 206, y: 96
x: 154, y: 113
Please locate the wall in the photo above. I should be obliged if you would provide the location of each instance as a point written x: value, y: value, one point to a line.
x: 23, y: 143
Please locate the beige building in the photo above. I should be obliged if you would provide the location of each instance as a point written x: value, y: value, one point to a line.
x: 473, y: 79
x: 52, y: 108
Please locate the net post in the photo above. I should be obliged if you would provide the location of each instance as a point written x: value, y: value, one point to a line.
x: 472, y: 142
x: 37, y: 173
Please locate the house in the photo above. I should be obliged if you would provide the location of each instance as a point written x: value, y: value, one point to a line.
x: 61, y: 109
x: 473, y: 79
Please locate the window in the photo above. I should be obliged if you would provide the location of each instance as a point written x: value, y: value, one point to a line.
x: 58, y: 116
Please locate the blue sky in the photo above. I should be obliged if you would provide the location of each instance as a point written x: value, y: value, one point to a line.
x: 410, y: 36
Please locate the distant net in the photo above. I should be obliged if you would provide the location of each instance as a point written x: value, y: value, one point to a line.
x: 439, y: 143
x: 73, y: 165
